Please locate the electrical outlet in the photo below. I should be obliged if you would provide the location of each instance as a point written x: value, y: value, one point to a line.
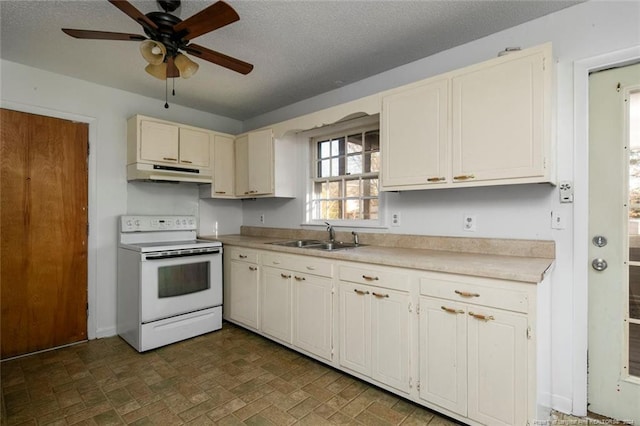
x: 469, y: 223
x: 566, y: 191
x: 395, y: 219
x: 262, y: 218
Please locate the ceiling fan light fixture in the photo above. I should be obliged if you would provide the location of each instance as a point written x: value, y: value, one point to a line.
x: 185, y: 65
x: 153, y: 51
x: 159, y: 71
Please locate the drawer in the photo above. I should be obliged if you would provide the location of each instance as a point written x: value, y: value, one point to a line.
x: 476, y: 294
x: 241, y: 254
x: 302, y: 264
x: 381, y: 277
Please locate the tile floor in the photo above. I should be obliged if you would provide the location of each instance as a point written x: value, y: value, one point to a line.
x: 229, y: 377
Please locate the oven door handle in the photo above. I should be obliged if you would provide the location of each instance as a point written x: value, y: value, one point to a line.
x: 176, y: 255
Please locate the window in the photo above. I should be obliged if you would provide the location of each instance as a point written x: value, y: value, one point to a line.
x: 345, y: 175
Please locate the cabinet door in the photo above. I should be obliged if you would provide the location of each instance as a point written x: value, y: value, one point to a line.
x: 260, y: 161
x: 497, y: 362
x: 158, y: 142
x: 194, y: 148
x: 355, y: 327
x: 242, y: 165
x: 312, y: 319
x: 223, y: 166
x: 415, y: 136
x: 390, y: 343
x: 242, y: 293
x: 498, y: 120
x: 443, y: 354
x: 275, y: 303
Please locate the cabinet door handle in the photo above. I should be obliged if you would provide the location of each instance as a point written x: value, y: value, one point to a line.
x: 466, y: 294
x: 360, y: 292
x: 285, y: 276
x: 169, y: 159
x: 370, y: 278
x: 482, y: 317
x: 242, y: 256
x: 464, y: 177
x: 311, y: 268
x: 452, y: 310
x: 436, y: 179
x: 221, y: 192
x: 299, y: 278
x: 186, y: 161
x: 380, y: 295
x: 253, y: 268
x: 276, y: 262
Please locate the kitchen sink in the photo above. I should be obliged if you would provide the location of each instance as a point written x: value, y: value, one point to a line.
x: 316, y: 244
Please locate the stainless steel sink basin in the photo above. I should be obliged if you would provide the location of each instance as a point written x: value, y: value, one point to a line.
x: 316, y: 244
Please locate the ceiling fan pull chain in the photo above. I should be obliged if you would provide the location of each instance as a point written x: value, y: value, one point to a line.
x: 166, y: 90
x: 173, y: 92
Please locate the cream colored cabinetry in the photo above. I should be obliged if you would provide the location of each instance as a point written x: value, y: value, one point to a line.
x: 375, y: 323
x: 415, y: 136
x: 296, y: 301
x: 223, y: 182
x: 475, y: 348
x: 241, y: 275
x: 487, y: 124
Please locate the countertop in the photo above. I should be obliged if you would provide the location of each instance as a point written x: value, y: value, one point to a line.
x: 500, y: 266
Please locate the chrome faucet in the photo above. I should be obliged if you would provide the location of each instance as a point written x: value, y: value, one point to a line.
x: 356, y: 241
x: 332, y: 233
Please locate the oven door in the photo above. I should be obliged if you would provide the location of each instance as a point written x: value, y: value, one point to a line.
x: 174, y: 285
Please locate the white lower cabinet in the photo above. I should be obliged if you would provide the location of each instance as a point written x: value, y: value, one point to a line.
x: 241, y: 286
x: 312, y: 314
x: 375, y: 324
x: 275, y: 303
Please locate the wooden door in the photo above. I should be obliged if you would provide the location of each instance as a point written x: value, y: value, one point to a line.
x: 44, y: 232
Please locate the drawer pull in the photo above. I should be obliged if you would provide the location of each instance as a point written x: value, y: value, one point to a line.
x: 436, y: 179
x: 370, y: 278
x: 169, y: 159
x: 285, y: 276
x: 187, y: 161
x: 311, y: 268
x: 466, y: 294
x: 299, y: 278
x: 380, y: 295
x: 276, y: 262
x: 242, y: 256
x: 253, y: 191
x: 452, y: 310
x: 221, y: 192
x: 464, y: 177
x: 360, y: 292
x: 482, y: 317
x: 253, y: 268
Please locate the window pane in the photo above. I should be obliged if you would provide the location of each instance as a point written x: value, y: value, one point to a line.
x: 372, y: 162
x: 634, y: 292
x: 370, y: 187
x: 354, y: 164
x: 354, y: 143
x: 324, y: 149
x: 634, y: 349
x: 335, y: 190
x: 370, y: 208
x: 320, y: 190
x: 334, y: 210
x: 352, y: 188
x: 324, y: 168
x: 335, y: 167
x: 337, y: 147
x: 352, y: 210
x: 372, y: 140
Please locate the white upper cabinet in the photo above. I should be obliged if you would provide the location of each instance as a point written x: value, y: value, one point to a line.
x: 415, y: 135
x: 223, y: 184
x: 195, y: 147
x: 486, y: 124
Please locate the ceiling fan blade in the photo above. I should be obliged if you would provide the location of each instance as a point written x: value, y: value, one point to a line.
x: 131, y: 11
x: 219, y: 58
x: 213, y: 17
x: 172, y: 70
x: 102, y: 35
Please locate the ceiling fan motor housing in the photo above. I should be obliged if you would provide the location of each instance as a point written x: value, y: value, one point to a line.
x: 165, y: 33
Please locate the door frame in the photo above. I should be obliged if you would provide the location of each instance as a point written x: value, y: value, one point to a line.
x: 581, y: 71
x: 92, y: 258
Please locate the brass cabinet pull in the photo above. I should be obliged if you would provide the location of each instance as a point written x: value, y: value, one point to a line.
x: 360, y: 292
x: 169, y: 159
x: 253, y: 268
x: 311, y: 268
x: 452, y: 310
x: 380, y: 295
x: 436, y: 179
x: 221, y: 192
x: 464, y: 177
x: 370, y: 278
x: 242, y: 256
x: 186, y: 161
x: 285, y: 276
x: 482, y: 317
x: 299, y: 278
x: 466, y: 294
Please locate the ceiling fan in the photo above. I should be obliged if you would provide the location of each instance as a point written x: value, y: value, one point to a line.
x: 167, y: 35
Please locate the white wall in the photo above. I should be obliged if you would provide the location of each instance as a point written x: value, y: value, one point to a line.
x: 106, y: 110
x: 583, y: 31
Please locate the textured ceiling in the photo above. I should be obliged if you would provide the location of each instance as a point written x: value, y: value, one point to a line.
x: 299, y: 48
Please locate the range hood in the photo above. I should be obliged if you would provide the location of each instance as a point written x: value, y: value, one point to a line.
x: 155, y: 172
